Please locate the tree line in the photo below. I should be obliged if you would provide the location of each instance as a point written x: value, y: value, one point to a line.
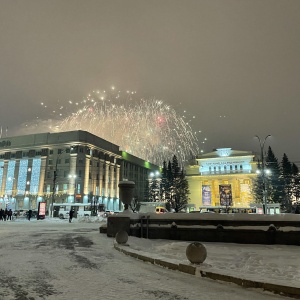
x: 171, y: 186
x: 280, y: 182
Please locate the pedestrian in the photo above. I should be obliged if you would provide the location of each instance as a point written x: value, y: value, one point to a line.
x: 71, y: 214
x: 29, y: 214
x: 9, y: 214
x: 5, y: 214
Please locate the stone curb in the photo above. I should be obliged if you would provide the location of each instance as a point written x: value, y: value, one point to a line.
x: 289, y: 291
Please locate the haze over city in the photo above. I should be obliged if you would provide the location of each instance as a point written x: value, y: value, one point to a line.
x: 231, y: 67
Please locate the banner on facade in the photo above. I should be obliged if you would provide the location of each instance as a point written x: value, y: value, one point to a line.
x: 225, y: 194
x: 41, y: 210
x: 206, y: 195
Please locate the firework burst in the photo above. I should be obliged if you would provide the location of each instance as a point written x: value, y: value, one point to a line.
x: 149, y: 129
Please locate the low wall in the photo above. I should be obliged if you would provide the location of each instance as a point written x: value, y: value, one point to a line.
x: 225, y: 229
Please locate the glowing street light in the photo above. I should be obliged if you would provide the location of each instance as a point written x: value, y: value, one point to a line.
x: 262, y: 144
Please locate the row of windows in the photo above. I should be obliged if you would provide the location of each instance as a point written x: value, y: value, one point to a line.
x: 225, y: 168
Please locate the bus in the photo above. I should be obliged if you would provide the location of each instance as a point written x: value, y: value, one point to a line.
x: 61, y: 210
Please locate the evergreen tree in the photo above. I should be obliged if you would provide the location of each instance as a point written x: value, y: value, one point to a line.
x: 164, y: 182
x: 154, y: 189
x: 287, y: 181
x: 296, y: 183
x: 169, y: 185
x: 178, y: 186
x: 172, y: 187
x: 181, y: 191
x: 274, y: 183
x: 258, y: 185
x: 175, y: 167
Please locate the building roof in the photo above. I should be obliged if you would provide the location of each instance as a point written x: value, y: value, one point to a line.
x: 224, y: 152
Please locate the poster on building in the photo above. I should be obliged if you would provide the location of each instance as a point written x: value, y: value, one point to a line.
x: 206, y: 195
x: 225, y: 194
x: 41, y: 211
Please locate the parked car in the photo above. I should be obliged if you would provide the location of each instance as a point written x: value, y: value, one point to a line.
x: 107, y: 213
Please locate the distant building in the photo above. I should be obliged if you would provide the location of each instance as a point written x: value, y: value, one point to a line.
x: 222, y: 178
x: 77, y: 165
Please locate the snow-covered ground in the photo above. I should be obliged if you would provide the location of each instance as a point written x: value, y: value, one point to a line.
x: 279, y: 264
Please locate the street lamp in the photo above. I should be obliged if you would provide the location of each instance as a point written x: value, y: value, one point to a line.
x: 262, y: 144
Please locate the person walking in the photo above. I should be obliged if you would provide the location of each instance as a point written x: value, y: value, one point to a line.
x: 29, y: 214
x: 5, y: 214
x: 9, y: 215
x: 1, y: 214
x: 71, y: 214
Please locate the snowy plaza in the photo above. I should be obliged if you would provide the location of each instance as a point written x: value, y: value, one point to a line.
x: 52, y: 259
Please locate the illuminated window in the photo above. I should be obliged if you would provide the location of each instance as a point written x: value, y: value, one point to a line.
x: 22, y: 176
x: 65, y: 187
x: 35, y: 175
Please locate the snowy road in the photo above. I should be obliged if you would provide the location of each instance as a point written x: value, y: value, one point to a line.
x: 58, y: 260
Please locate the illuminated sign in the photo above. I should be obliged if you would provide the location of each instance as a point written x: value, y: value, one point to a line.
x: 41, y: 210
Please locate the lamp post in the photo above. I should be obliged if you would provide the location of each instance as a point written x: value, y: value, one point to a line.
x: 262, y: 144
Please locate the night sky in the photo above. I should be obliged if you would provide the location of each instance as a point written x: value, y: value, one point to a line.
x: 235, y: 65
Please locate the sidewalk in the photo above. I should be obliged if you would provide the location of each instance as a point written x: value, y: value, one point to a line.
x: 274, y: 268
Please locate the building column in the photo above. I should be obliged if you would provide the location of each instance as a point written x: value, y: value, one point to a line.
x: 112, y: 181
x: 42, y: 176
x: 4, y: 177
x: 72, y: 180
x: 118, y: 170
x: 86, y: 176
x: 101, y: 178
x: 106, y: 178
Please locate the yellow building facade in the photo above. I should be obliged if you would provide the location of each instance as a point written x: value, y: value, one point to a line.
x: 222, y: 178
